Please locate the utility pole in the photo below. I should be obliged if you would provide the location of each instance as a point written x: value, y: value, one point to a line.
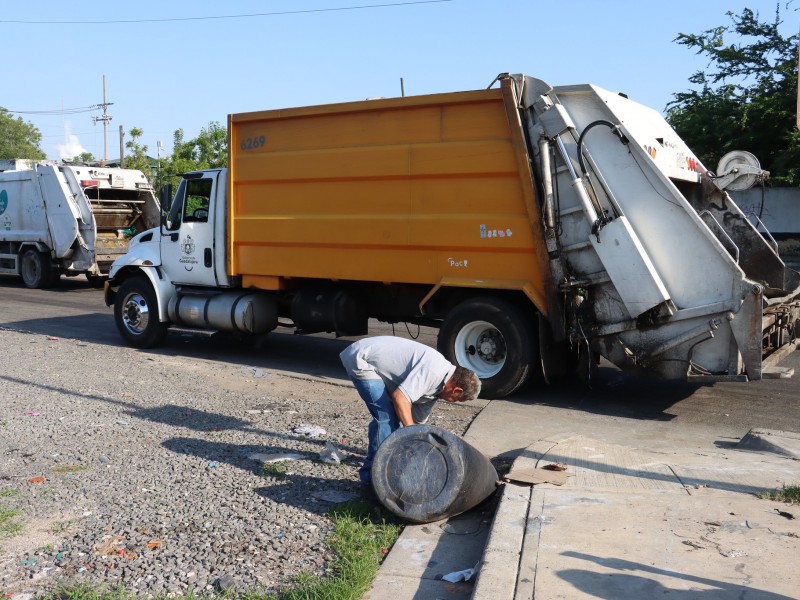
x: 121, y: 148
x: 106, y: 118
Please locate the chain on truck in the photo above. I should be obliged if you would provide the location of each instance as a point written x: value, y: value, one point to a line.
x: 69, y: 219
x: 537, y: 227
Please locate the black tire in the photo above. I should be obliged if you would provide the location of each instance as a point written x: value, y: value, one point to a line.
x: 495, y: 339
x: 35, y: 269
x: 136, y: 314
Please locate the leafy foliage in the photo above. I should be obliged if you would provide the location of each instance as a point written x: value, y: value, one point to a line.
x: 137, y: 154
x: 19, y: 139
x: 747, y: 98
x: 788, y: 493
x: 83, y: 157
x: 209, y: 150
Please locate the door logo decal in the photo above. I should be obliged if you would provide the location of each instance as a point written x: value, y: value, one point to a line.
x: 187, y: 248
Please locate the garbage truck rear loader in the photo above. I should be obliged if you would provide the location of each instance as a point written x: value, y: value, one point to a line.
x: 538, y: 228
x: 69, y: 219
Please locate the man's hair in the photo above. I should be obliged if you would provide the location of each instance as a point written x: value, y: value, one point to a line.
x: 468, y: 381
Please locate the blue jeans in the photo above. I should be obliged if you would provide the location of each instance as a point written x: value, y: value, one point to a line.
x: 384, y: 419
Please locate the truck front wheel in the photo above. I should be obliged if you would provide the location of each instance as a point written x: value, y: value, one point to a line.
x: 136, y: 314
x: 35, y: 269
x: 493, y: 338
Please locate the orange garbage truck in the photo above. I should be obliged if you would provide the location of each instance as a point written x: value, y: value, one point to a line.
x: 537, y: 227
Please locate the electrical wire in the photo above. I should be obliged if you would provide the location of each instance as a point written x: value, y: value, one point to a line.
x: 59, y: 111
x: 219, y: 17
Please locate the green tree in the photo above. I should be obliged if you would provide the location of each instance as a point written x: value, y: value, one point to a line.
x: 137, y: 158
x: 209, y: 150
x: 746, y: 100
x: 19, y: 139
x: 83, y: 157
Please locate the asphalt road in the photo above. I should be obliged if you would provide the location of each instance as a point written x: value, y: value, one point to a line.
x: 76, y: 310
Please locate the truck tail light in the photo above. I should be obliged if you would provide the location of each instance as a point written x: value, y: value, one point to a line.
x: 89, y: 183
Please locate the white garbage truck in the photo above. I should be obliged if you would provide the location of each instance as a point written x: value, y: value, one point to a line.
x: 69, y: 219
x: 537, y: 227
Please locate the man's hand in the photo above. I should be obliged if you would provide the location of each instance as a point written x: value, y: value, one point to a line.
x: 402, y: 407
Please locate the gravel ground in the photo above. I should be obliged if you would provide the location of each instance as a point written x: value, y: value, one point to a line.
x: 144, y: 476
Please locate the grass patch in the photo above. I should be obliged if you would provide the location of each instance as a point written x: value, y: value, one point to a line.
x: 8, y: 493
x: 70, y: 468
x: 360, y: 539
x: 276, y: 470
x: 60, y: 526
x: 8, y: 526
x: 83, y: 591
x: 788, y: 493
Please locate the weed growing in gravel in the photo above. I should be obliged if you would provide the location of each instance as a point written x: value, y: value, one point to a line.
x: 360, y: 540
x: 788, y: 493
x: 8, y: 526
x: 70, y: 469
x: 276, y: 470
x: 8, y: 493
x: 60, y: 526
x: 83, y: 591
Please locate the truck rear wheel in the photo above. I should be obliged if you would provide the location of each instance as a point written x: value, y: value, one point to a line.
x: 493, y: 338
x: 35, y: 269
x: 136, y: 314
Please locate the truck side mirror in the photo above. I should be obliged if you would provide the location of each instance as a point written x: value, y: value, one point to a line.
x: 166, y: 197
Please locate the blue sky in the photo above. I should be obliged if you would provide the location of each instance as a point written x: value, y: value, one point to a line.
x: 166, y: 75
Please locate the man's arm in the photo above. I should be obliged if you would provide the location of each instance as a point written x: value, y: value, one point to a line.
x: 402, y: 407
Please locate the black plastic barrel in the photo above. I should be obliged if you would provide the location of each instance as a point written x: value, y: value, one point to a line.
x: 423, y: 473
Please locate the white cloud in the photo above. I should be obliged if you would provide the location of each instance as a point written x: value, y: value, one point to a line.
x: 72, y: 146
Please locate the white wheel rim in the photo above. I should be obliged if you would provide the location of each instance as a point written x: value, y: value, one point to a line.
x: 135, y: 314
x: 481, y: 347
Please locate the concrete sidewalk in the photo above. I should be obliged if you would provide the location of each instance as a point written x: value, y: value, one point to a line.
x: 681, y: 520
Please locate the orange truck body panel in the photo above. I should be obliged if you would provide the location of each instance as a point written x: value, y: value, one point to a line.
x: 433, y: 190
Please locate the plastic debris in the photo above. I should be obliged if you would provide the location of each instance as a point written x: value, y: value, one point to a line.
x: 335, y: 496
x: 332, y: 455
x: 212, y: 464
x: 32, y: 413
x: 312, y: 431
x: 255, y: 372
x: 225, y: 583
x: 37, y: 480
x: 464, y: 575
x: 274, y: 458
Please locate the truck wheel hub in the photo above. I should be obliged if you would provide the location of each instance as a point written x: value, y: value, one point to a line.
x: 135, y: 314
x: 491, y: 347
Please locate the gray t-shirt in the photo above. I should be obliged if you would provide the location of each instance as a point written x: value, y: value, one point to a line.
x: 418, y: 370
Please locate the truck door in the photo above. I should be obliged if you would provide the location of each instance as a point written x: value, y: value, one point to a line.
x: 187, y: 245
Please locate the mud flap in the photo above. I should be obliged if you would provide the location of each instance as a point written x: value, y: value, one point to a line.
x: 747, y: 330
x: 552, y: 354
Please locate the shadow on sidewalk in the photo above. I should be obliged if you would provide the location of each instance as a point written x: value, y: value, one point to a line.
x: 614, y: 586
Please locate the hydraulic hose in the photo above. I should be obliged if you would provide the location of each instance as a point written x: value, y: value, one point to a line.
x: 614, y: 129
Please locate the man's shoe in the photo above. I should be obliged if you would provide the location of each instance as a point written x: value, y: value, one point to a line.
x: 368, y: 493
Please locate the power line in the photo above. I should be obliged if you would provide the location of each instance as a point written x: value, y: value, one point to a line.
x: 269, y: 14
x: 59, y: 111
